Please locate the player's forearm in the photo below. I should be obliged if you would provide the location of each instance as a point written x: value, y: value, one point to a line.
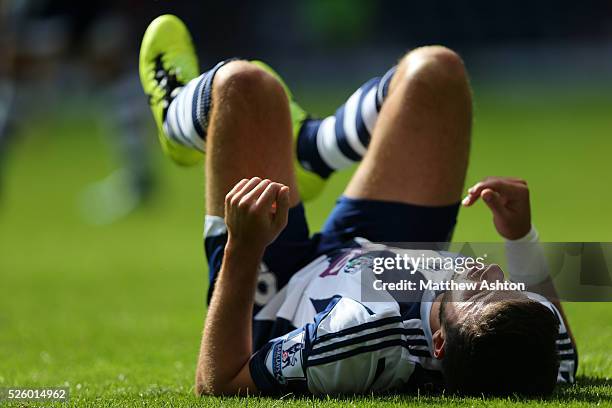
x: 226, y: 343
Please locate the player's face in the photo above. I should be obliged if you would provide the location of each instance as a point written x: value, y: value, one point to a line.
x: 458, y: 305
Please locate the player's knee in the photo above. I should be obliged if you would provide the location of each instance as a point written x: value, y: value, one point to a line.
x: 434, y: 65
x: 247, y: 81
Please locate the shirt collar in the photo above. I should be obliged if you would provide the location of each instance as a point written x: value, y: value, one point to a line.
x: 426, y: 303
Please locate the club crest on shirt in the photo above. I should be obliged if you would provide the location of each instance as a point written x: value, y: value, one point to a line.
x: 349, y: 262
x: 363, y: 262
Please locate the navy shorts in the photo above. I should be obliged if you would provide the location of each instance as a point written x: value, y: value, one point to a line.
x: 377, y: 221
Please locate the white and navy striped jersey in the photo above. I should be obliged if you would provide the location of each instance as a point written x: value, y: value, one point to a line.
x: 336, y: 342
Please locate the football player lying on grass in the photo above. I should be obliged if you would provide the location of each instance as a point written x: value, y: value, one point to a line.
x: 286, y: 311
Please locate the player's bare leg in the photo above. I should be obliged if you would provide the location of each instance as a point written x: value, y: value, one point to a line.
x: 420, y: 144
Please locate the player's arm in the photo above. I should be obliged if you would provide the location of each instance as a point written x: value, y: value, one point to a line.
x: 255, y: 213
x: 508, y: 200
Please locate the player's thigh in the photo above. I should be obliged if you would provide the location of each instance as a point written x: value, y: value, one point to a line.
x: 420, y: 144
x: 250, y: 133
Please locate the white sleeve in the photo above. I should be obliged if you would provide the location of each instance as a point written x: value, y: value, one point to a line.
x: 526, y: 261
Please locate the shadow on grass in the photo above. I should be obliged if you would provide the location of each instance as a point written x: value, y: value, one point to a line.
x: 587, y: 389
x: 595, y: 382
x: 592, y: 390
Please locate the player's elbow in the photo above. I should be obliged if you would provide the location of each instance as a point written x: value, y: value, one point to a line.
x: 217, y: 390
x: 199, y: 389
x: 213, y: 386
x: 206, y: 385
x: 203, y: 385
x: 207, y: 388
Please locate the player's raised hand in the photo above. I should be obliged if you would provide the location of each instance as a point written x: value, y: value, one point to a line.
x: 256, y: 212
x: 508, y: 199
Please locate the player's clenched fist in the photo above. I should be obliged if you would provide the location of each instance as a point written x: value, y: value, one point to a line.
x: 508, y: 199
x: 256, y: 212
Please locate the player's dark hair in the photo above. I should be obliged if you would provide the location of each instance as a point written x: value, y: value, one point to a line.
x: 509, y: 349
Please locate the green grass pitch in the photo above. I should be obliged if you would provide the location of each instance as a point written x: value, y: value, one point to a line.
x: 115, y: 312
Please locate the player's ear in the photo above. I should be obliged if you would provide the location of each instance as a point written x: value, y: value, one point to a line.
x: 438, y: 344
x: 493, y: 273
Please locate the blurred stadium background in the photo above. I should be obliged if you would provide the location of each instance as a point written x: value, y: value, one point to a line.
x: 102, y: 277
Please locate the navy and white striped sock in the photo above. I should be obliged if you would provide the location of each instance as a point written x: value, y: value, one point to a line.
x: 186, y: 120
x: 336, y: 142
